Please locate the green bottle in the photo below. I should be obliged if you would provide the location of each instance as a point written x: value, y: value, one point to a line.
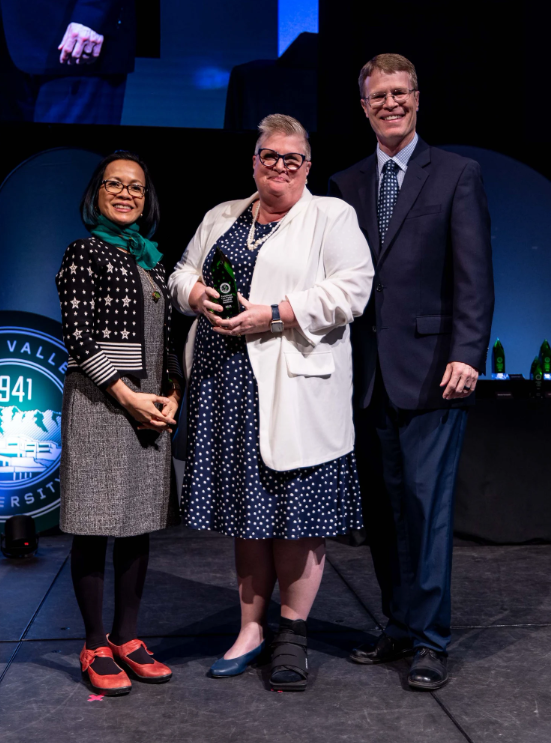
x: 545, y: 358
x: 498, y: 359
x: 225, y: 284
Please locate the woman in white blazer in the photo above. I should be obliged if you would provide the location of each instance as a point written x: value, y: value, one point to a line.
x: 270, y: 436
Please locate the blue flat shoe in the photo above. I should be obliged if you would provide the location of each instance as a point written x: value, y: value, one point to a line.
x: 234, y: 666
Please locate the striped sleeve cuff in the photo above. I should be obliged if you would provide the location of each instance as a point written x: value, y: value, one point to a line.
x: 100, y: 370
x: 173, y: 366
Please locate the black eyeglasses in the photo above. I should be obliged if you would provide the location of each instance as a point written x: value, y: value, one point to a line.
x: 400, y: 95
x: 270, y: 158
x: 116, y: 187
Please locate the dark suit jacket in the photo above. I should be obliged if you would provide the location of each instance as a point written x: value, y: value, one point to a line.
x: 433, y: 294
x: 34, y: 29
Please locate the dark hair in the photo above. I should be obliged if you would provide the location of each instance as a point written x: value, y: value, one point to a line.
x: 88, y: 206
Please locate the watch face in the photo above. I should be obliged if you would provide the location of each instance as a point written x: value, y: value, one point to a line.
x: 277, y: 326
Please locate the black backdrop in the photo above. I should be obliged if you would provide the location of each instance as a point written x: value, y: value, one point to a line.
x: 482, y: 69
x: 482, y: 76
x: 483, y: 80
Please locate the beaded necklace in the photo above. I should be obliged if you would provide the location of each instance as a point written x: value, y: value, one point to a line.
x: 253, y: 244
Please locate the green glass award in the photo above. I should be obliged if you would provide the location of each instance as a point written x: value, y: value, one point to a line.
x: 536, y: 375
x: 545, y: 359
x: 225, y: 284
x: 498, y: 361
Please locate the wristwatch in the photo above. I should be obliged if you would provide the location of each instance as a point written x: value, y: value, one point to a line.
x: 276, y: 325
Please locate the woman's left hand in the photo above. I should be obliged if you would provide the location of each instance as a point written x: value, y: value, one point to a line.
x: 255, y: 319
x: 170, y: 408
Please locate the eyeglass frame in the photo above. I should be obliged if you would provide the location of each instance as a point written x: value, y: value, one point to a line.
x: 132, y: 196
x: 281, y: 157
x: 392, y: 95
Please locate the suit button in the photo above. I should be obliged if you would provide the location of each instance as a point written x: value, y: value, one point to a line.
x: 374, y: 328
x: 379, y: 287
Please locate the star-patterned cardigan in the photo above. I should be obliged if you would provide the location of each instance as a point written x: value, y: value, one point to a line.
x: 101, y: 299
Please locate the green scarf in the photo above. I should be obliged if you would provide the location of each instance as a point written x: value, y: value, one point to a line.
x: 145, y: 251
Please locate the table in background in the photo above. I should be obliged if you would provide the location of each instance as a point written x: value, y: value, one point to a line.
x: 504, y: 480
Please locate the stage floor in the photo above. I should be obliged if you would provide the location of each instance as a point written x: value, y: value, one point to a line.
x: 500, y: 665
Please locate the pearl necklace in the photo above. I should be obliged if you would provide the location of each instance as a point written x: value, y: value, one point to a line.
x: 253, y: 244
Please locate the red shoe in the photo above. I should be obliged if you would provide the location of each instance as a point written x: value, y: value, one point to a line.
x: 151, y: 673
x: 112, y: 685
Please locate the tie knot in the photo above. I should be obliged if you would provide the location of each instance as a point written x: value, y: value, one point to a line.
x: 390, y: 166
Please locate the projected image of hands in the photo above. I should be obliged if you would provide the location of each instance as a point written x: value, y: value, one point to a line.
x: 154, y: 63
x: 66, y: 61
x: 80, y: 45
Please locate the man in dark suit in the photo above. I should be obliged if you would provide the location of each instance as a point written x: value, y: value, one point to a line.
x: 418, y: 351
x: 66, y: 61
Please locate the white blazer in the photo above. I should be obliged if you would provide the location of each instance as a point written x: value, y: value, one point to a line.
x: 319, y: 260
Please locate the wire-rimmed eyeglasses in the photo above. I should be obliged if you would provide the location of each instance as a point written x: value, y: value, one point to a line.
x: 399, y: 95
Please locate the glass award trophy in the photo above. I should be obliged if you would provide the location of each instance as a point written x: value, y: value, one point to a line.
x: 225, y: 284
x: 536, y: 375
x: 545, y: 359
x: 498, y: 361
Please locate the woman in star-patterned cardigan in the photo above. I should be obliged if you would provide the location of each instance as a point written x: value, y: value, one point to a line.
x: 120, y: 401
x: 102, y: 313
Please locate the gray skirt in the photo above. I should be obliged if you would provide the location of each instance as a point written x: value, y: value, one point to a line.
x: 115, y: 480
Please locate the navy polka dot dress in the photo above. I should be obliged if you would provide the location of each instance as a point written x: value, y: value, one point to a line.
x: 227, y: 487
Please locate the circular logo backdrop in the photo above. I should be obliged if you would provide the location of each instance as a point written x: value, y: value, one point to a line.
x: 33, y: 361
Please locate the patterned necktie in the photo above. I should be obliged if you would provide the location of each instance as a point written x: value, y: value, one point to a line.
x: 388, y: 194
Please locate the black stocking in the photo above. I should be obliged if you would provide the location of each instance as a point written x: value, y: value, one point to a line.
x: 130, y: 558
x: 87, y: 571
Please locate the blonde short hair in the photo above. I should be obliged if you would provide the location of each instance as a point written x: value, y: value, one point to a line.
x: 387, y: 63
x: 282, y: 124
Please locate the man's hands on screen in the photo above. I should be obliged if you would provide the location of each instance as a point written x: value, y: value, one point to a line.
x: 459, y: 380
x: 80, y: 45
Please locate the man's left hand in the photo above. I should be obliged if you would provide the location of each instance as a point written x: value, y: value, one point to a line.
x: 255, y: 319
x: 459, y: 380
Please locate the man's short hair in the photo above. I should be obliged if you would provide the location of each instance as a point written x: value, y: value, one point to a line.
x: 387, y: 63
x: 282, y: 124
